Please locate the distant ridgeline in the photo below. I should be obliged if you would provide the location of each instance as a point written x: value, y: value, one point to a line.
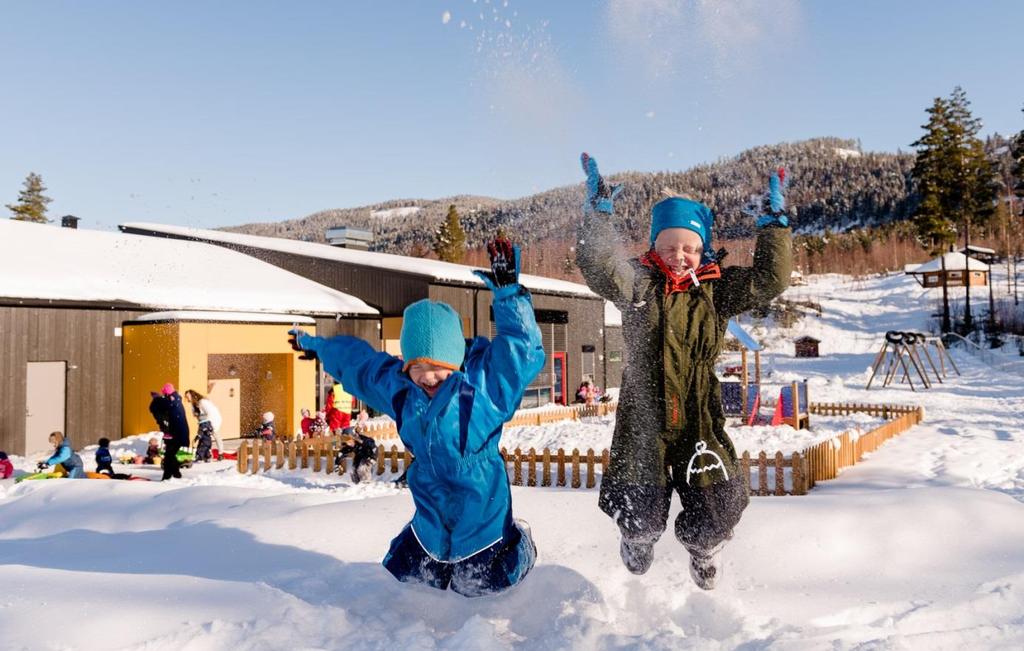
x: 834, y: 186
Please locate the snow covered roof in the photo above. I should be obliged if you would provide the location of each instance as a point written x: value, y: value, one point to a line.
x: 239, y: 317
x: 434, y: 269
x: 954, y: 262
x: 612, y: 315
x: 64, y: 264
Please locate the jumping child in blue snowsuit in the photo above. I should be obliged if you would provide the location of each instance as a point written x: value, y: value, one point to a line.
x: 450, y: 399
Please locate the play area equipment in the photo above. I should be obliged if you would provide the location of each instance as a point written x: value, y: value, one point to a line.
x: 908, y: 351
x: 743, y: 398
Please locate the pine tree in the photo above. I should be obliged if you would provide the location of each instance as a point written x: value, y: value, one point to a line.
x: 31, y: 206
x: 450, y: 239
x: 1018, y: 166
x: 955, y: 180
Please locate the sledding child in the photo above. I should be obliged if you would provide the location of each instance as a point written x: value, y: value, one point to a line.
x: 669, y: 428
x: 152, y: 453
x: 64, y: 456
x: 104, y: 460
x: 6, y: 467
x: 449, y: 399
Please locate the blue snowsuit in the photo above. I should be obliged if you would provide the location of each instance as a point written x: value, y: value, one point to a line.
x: 458, y: 482
x: 69, y: 459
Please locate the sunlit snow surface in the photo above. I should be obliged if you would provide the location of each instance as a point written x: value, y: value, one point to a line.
x: 917, y: 548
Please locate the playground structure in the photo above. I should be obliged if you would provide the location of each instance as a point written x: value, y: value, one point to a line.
x: 908, y: 351
x: 743, y: 398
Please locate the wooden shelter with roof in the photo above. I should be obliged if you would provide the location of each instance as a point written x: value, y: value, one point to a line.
x: 952, y: 269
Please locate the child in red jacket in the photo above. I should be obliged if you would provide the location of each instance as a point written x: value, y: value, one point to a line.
x: 6, y: 467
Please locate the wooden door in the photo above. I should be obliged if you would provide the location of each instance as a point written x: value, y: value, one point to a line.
x: 45, y: 404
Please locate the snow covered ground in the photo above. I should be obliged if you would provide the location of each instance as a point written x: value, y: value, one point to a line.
x: 918, y: 548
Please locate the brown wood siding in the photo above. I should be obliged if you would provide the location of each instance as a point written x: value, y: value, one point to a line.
x: 613, y: 341
x: 585, y: 315
x: 83, y: 338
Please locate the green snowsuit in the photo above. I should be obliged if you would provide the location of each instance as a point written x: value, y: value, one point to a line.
x: 670, y: 426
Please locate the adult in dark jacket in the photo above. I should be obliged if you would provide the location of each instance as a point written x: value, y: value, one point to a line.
x: 670, y: 426
x: 169, y: 412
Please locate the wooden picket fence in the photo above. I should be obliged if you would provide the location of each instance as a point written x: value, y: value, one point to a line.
x: 763, y: 474
x: 385, y: 429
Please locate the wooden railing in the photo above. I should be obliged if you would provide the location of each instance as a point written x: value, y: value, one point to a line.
x: 763, y: 474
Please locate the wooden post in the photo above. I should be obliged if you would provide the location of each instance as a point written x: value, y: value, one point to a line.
x: 797, y: 465
x: 406, y: 459
x: 317, y: 445
x: 517, y: 468
x: 279, y: 452
x: 394, y: 459
x: 757, y: 367
x: 243, y: 457
x: 762, y: 473
x: 380, y: 459
x: 780, y: 474
x: 744, y: 382
x: 546, y: 468
x: 796, y: 407
x: 329, y: 460
x: 531, y: 475
x: 575, y: 467
x: 256, y: 451
x: 591, y: 480
x: 292, y: 448
x: 606, y: 459
x: 745, y: 470
x: 561, y: 466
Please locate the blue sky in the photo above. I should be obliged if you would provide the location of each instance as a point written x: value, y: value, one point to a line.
x: 216, y: 113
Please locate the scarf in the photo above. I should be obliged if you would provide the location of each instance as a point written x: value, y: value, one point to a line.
x: 680, y: 282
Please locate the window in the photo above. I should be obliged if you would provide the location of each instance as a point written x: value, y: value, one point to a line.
x: 614, y: 355
x: 588, y: 360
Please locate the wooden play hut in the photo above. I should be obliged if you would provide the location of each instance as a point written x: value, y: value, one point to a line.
x: 957, y: 269
x: 806, y: 346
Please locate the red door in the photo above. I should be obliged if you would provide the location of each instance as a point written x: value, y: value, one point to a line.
x: 558, y: 378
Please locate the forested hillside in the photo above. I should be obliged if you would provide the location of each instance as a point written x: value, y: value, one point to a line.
x: 834, y: 185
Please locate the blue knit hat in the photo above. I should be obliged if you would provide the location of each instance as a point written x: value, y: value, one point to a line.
x: 432, y: 333
x: 682, y: 213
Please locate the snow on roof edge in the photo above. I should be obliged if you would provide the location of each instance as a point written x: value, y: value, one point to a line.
x: 438, y: 270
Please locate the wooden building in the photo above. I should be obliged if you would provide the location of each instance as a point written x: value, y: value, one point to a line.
x: 82, y: 347
x: 614, y: 346
x: 957, y: 268
x: 571, y: 317
x: 806, y: 346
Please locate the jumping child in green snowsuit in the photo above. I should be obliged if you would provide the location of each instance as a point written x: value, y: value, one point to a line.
x: 670, y: 427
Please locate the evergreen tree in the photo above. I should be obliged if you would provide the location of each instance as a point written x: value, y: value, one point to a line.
x: 450, y: 239
x: 1018, y: 166
x: 31, y: 206
x: 955, y: 180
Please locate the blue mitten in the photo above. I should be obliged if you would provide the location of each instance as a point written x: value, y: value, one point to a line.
x: 774, y: 205
x: 505, y: 264
x: 303, y: 342
x: 600, y: 196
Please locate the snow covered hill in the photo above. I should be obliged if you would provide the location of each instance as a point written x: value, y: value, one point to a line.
x: 918, y: 548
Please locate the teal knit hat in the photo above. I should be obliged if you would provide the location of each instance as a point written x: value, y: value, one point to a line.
x: 432, y: 332
x: 677, y: 212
